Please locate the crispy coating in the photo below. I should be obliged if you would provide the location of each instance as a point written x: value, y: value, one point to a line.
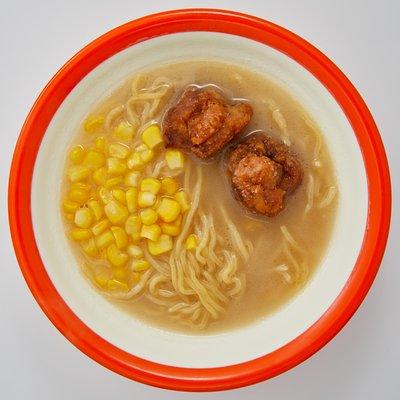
x: 202, y: 122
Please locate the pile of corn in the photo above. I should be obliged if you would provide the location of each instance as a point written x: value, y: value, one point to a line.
x: 115, y: 210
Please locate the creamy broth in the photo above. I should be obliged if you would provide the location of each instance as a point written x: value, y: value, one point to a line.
x: 272, y: 276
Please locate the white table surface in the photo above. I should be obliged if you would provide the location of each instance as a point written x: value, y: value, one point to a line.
x: 361, y: 37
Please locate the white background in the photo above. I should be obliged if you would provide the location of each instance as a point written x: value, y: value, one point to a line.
x: 361, y: 37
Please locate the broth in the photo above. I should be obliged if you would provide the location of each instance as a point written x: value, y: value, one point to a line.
x: 272, y: 275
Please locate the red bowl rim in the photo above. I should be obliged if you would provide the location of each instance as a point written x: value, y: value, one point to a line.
x: 232, y: 376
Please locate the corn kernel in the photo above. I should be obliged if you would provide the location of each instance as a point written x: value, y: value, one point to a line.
x: 101, y: 277
x: 152, y: 136
x: 146, y: 155
x: 116, y: 256
x: 152, y: 185
x: 105, y: 195
x: 70, y: 217
x: 148, y: 216
x: 162, y: 245
x: 118, y: 150
x: 120, y: 236
x: 93, y: 160
x: 151, y: 232
x: 172, y: 228
x: 114, y: 284
x: 70, y: 206
x: 124, y: 131
x: 101, y: 226
x: 191, y: 242
x: 80, y: 186
x: 78, y: 195
x: 131, y: 197
x: 116, y: 212
x: 174, y: 158
x: 120, y: 274
x: 93, y: 123
x: 135, y: 161
x: 96, y: 209
x: 136, y: 277
x: 104, y: 239
x: 115, y: 166
x: 183, y: 199
x: 119, y: 195
x: 77, y: 154
x: 134, y: 251
x: 100, y: 144
x: 89, y: 247
x: 111, y: 182
x: 83, y: 218
x: 132, y: 178
x: 79, y: 234
x: 140, y: 265
x: 168, y: 186
x: 78, y: 173
x: 169, y: 209
x: 133, y: 226
x: 146, y: 199
x: 100, y: 176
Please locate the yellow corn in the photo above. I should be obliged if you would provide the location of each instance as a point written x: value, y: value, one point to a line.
x: 118, y: 150
x: 116, y: 256
x: 152, y: 185
x: 104, y: 239
x: 124, y: 131
x: 191, y: 242
x: 183, y: 199
x: 168, y: 186
x: 77, y: 154
x: 119, y: 195
x: 120, y: 274
x: 172, y: 229
x: 133, y: 226
x: 115, y: 166
x: 100, y: 144
x: 148, y: 216
x: 135, y: 161
x: 140, y: 265
x: 79, y: 195
x: 136, y: 277
x: 80, y: 186
x: 120, y: 236
x: 169, y: 209
x: 111, y: 182
x: 114, y: 284
x: 83, y: 218
x: 132, y: 178
x: 151, y: 232
x: 69, y: 217
x: 162, y: 245
x: 70, y: 206
x: 96, y: 209
x: 116, y: 212
x: 152, y: 136
x: 93, y: 123
x: 79, y: 234
x: 105, y: 195
x: 89, y: 247
x: 78, y: 173
x: 100, y: 176
x: 131, y: 197
x: 145, y: 153
x: 102, y: 276
x: 146, y: 199
x: 101, y: 226
x: 175, y: 159
x: 93, y: 160
x: 134, y: 251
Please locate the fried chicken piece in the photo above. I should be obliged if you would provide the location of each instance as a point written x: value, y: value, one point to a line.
x: 262, y: 171
x: 202, y: 122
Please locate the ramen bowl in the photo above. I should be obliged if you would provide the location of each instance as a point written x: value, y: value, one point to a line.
x: 251, y: 353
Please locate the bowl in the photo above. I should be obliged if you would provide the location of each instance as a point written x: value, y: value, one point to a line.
x: 271, y: 345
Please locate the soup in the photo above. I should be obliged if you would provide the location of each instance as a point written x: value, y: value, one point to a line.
x: 161, y: 232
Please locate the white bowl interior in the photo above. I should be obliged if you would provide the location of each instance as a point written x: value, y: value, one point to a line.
x: 248, y: 342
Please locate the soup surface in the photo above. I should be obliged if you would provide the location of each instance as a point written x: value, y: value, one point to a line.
x: 220, y: 266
